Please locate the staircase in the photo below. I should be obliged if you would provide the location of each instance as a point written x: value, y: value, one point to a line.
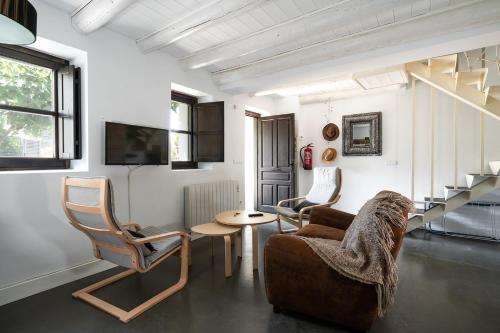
x: 455, y: 197
x: 468, y: 87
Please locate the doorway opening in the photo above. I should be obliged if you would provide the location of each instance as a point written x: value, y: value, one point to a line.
x: 251, y: 119
x: 269, y: 160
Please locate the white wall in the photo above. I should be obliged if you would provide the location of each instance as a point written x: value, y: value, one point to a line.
x: 122, y: 85
x: 363, y: 176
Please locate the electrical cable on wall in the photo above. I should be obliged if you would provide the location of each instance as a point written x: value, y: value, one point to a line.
x: 130, y: 170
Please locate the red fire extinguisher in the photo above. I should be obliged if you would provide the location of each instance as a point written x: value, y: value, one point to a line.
x: 306, y: 158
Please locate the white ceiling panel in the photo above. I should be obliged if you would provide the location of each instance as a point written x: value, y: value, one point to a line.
x: 146, y: 16
x: 288, y: 8
x: 304, y: 6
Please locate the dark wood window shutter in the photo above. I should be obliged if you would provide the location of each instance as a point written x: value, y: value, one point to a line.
x: 209, y: 132
x: 68, y: 106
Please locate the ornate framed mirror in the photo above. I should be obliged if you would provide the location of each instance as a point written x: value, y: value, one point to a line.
x: 362, y: 134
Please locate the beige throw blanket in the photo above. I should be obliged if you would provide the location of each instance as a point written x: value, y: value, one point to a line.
x: 364, y: 254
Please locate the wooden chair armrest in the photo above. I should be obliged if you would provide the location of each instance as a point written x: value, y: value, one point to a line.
x: 159, y: 237
x: 288, y: 200
x: 136, y: 226
x: 328, y: 204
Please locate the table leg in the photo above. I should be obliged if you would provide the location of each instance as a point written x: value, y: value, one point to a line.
x: 211, y: 246
x: 227, y: 255
x: 255, y: 247
x: 239, y: 248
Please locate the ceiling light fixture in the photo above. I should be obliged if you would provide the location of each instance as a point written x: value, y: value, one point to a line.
x: 382, y: 78
x: 313, y: 88
x: 17, y: 22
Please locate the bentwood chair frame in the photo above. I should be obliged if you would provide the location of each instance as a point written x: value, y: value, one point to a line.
x: 129, y: 247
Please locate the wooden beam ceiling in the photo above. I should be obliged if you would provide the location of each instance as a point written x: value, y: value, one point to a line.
x: 206, y: 15
x: 432, y: 24
x: 307, y: 29
x: 238, y: 41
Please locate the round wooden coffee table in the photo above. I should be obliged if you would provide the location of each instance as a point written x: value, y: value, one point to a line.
x: 240, y: 218
x: 216, y: 229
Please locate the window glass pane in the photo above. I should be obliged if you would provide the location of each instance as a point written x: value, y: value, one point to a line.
x: 26, y: 85
x: 26, y: 135
x: 180, y: 116
x: 180, y: 145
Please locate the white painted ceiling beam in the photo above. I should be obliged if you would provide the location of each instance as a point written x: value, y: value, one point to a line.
x: 96, y: 13
x: 210, y: 13
x: 437, y: 23
x: 303, y: 30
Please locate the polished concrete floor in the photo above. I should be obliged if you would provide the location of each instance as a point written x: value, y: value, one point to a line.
x: 446, y: 285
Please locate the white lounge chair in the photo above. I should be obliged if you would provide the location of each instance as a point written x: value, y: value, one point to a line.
x: 324, y: 192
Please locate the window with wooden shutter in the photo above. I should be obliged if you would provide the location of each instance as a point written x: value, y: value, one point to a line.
x: 209, y: 131
x: 39, y: 110
x: 196, y: 131
x: 68, y: 84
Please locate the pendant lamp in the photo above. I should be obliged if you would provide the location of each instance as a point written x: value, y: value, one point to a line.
x: 17, y: 22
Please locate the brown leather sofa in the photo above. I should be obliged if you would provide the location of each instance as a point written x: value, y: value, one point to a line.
x: 298, y: 280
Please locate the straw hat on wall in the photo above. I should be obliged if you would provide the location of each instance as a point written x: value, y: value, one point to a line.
x: 329, y: 155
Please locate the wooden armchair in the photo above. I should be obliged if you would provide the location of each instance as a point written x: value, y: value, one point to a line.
x: 324, y: 193
x: 88, y: 203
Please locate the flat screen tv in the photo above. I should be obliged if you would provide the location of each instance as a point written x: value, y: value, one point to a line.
x: 135, y: 145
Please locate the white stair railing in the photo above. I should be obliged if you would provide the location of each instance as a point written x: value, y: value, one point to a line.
x: 413, y: 134
x: 455, y: 143
x: 433, y: 139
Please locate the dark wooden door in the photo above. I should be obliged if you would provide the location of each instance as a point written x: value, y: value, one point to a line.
x: 275, y: 160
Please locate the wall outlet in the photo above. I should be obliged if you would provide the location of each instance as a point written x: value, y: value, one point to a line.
x: 391, y: 162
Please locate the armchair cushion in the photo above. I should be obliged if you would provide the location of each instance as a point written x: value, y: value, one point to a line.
x: 321, y: 231
x: 326, y: 185
x: 303, y: 204
x: 162, y: 247
x: 287, y: 211
x: 331, y: 217
x: 148, y: 246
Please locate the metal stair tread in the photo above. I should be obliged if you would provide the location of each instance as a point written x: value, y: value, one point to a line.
x: 493, y: 91
x: 485, y: 175
x: 474, y: 77
x: 459, y: 188
x: 475, y: 73
x: 444, y: 64
x: 419, y: 212
x: 435, y: 200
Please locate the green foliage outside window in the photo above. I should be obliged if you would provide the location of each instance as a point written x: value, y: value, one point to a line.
x: 175, y: 137
x: 29, y: 86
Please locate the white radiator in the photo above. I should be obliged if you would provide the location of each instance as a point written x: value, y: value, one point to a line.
x: 203, y: 201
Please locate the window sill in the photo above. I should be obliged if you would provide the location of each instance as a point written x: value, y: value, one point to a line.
x: 74, y: 166
x: 22, y: 172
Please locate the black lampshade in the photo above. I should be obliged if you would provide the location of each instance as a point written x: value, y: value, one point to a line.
x: 17, y: 22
